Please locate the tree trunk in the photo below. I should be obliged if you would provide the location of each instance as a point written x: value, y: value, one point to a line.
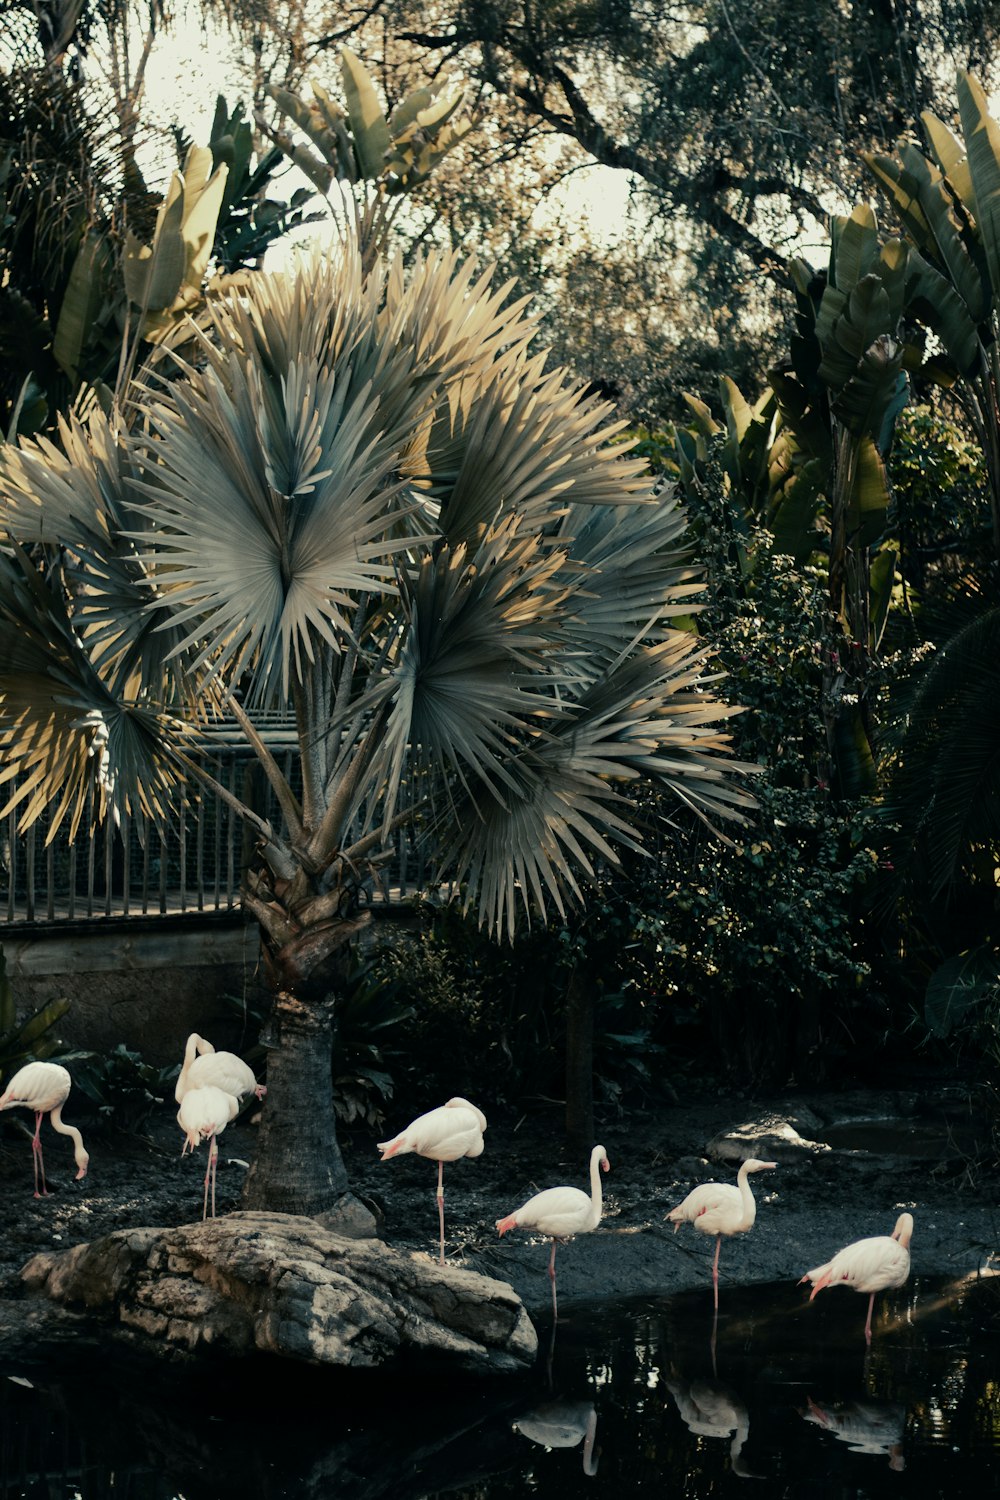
x: 298, y: 1167
x: 580, y: 1060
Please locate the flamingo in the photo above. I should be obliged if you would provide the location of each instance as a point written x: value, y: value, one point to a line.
x: 560, y: 1213
x: 865, y: 1426
x: 870, y: 1265
x: 44, y: 1087
x: 223, y: 1070
x: 710, y: 1409
x: 205, y: 1112
x: 444, y: 1134
x: 719, y: 1208
x: 561, y: 1424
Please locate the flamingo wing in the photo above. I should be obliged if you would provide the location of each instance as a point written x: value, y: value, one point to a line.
x: 444, y: 1134
x: 558, y: 1211
x: 40, y: 1086
x: 222, y: 1070
x: 711, y: 1207
x: 869, y: 1265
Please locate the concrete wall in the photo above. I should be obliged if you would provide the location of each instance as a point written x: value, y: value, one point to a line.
x: 147, y: 984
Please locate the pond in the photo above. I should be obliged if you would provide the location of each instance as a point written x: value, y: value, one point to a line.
x: 780, y: 1396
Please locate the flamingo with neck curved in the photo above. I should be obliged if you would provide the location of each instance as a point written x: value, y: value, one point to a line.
x: 44, y: 1087
x: 562, y: 1212
x: 719, y: 1208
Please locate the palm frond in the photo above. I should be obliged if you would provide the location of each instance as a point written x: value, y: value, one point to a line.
x: 68, y: 742
x: 530, y: 842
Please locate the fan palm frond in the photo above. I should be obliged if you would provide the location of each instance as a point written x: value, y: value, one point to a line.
x: 64, y: 736
x: 532, y: 840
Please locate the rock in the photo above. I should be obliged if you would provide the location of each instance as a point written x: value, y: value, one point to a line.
x: 770, y: 1137
x: 280, y: 1284
x: 351, y: 1219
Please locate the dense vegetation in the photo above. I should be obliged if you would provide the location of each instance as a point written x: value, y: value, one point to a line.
x: 832, y: 430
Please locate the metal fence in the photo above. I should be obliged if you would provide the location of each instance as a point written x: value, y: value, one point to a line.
x: 193, y: 866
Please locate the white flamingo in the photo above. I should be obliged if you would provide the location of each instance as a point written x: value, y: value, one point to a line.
x: 204, y: 1114
x: 444, y: 1134
x: 44, y: 1087
x: 719, y: 1208
x: 222, y: 1070
x: 871, y: 1265
x: 562, y: 1212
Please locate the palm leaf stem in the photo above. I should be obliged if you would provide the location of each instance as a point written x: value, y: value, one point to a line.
x: 308, y: 714
x: 272, y: 920
x: 287, y: 800
x: 323, y: 844
x: 348, y: 666
x: 278, y: 855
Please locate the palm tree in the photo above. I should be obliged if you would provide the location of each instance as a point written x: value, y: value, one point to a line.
x: 367, y: 504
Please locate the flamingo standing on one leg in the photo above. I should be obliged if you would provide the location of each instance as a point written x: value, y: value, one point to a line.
x: 454, y: 1129
x: 44, y: 1087
x: 719, y: 1208
x: 871, y: 1265
x: 561, y: 1213
x: 206, y: 1112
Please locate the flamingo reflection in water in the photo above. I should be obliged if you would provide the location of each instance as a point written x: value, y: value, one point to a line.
x: 710, y: 1409
x: 865, y: 1426
x: 562, y: 1424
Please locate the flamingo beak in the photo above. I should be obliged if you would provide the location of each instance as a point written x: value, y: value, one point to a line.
x: 605, y: 1164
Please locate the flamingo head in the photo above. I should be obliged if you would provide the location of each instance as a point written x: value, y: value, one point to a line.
x: 83, y: 1162
x: 903, y: 1230
x: 260, y: 1090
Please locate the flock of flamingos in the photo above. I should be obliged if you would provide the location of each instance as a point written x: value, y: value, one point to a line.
x: 212, y: 1084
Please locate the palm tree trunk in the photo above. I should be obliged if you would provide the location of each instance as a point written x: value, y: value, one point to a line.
x: 298, y: 1167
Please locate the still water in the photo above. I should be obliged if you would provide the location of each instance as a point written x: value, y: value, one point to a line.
x: 784, y: 1400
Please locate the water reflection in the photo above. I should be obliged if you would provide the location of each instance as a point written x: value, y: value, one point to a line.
x: 781, y: 1398
x: 710, y: 1409
x: 563, y: 1424
x: 865, y: 1426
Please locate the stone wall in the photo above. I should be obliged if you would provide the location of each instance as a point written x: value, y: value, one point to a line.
x: 147, y: 983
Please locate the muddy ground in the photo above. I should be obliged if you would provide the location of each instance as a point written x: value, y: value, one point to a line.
x: 934, y: 1159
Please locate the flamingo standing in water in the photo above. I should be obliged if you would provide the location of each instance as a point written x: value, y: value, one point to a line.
x: 205, y: 1112
x: 223, y: 1070
x: 871, y: 1265
x: 444, y: 1134
x: 719, y: 1208
x: 561, y: 1213
x: 44, y: 1087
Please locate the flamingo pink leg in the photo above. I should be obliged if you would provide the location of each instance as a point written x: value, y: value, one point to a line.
x: 440, y: 1199
x: 868, y: 1325
x: 38, y: 1161
x: 552, y: 1278
x: 215, y: 1162
x: 208, y: 1174
x: 715, y: 1269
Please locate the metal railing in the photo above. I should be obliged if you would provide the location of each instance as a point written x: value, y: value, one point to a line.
x: 193, y: 866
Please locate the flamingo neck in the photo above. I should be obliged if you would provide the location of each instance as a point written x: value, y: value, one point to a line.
x: 589, y: 1456
x: 596, y: 1197
x: 79, y: 1152
x: 749, y: 1202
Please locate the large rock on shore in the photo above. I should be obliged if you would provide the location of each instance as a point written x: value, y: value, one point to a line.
x: 280, y: 1284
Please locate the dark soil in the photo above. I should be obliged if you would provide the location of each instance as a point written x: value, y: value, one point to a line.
x: 934, y: 1161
